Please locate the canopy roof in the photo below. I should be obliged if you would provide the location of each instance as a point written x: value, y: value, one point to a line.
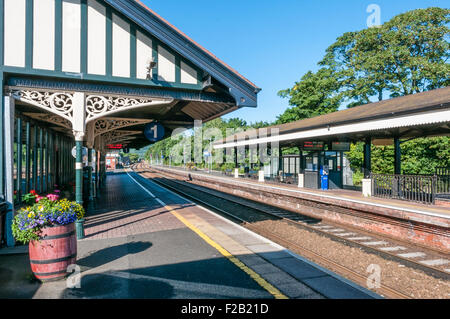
x: 417, y: 115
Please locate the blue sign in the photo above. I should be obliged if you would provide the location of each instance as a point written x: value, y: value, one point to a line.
x: 154, y: 132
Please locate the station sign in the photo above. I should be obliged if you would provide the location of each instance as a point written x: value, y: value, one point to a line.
x: 313, y: 146
x: 154, y: 132
x: 74, y: 151
x: 340, y: 146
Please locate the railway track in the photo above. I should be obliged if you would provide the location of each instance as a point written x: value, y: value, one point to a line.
x: 431, y: 261
x: 246, y: 212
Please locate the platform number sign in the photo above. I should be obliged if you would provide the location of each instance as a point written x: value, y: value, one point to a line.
x: 154, y: 132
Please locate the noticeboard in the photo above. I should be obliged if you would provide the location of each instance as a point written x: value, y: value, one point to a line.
x: 340, y: 146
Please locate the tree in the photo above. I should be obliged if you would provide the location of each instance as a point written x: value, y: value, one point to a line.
x: 133, y: 157
x: 406, y: 55
x: 315, y: 94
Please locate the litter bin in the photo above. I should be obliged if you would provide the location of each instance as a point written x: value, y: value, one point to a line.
x: 324, y: 178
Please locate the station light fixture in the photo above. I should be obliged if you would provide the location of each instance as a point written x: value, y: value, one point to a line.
x: 151, y: 65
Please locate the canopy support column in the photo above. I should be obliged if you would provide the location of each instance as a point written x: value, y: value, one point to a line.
x: 79, y: 129
x: 90, y: 189
x: 397, y: 156
x: 367, y: 157
x: 8, y: 124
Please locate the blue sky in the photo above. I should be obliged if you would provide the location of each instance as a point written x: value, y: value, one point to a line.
x: 273, y: 42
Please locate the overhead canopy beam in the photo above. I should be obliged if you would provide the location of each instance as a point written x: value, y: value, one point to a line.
x: 370, y: 128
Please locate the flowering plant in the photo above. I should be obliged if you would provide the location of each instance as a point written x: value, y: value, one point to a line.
x: 45, y: 212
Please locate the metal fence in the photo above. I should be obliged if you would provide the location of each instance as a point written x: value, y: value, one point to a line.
x: 417, y: 188
x: 443, y: 182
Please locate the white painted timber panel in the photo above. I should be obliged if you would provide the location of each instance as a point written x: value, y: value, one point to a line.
x: 71, y: 54
x: 121, y: 47
x: 44, y: 34
x: 188, y: 74
x: 166, y: 65
x: 14, y: 28
x: 96, y: 38
x: 144, y: 55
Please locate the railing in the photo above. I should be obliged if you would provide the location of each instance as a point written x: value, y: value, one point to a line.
x: 3, y: 207
x: 443, y: 182
x: 417, y: 188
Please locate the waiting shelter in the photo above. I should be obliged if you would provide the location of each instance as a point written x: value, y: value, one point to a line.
x: 322, y: 140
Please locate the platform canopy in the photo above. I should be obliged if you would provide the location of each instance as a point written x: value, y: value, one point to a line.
x: 418, y: 115
x: 90, y: 67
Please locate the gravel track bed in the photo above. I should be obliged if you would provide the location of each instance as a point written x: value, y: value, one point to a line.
x: 238, y: 210
x: 412, y: 282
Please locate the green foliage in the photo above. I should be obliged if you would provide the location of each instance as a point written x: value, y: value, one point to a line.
x: 406, y: 55
x: 221, y: 129
x: 315, y: 94
x: 419, y: 156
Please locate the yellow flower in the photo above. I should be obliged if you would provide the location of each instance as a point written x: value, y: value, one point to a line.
x: 31, y: 215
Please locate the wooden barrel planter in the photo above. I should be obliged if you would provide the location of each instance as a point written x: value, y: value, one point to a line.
x: 53, y: 253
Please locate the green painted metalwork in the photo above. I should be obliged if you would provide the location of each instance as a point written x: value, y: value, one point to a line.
x: 84, y: 32
x: 58, y: 35
x: 133, y: 52
x: 102, y: 78
x: 90, y: 189
x: 57, y: 161
x: 50, y: 160
x: 63, y: 161
x: 29, y: 35
x: 41, y: 160
x: 155, y: 59
x: 27, y: 156
x: 35, y: 157
x: 397, y: 156
x: 47, y: 150
x: 19, y: 187
x: 109, y: 44
x: 177, y: 69
x: 79, y: 173
x: 367, y: 157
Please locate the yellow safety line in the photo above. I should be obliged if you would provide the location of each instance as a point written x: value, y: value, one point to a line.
x: 256, y: 277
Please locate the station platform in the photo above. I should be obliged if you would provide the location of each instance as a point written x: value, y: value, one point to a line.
x: 349, y: 195
x: 425, y: 225
x: 143, y: 241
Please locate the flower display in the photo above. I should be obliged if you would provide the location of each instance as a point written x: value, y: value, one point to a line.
x: 53, y: 197
x: 45, y: 212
